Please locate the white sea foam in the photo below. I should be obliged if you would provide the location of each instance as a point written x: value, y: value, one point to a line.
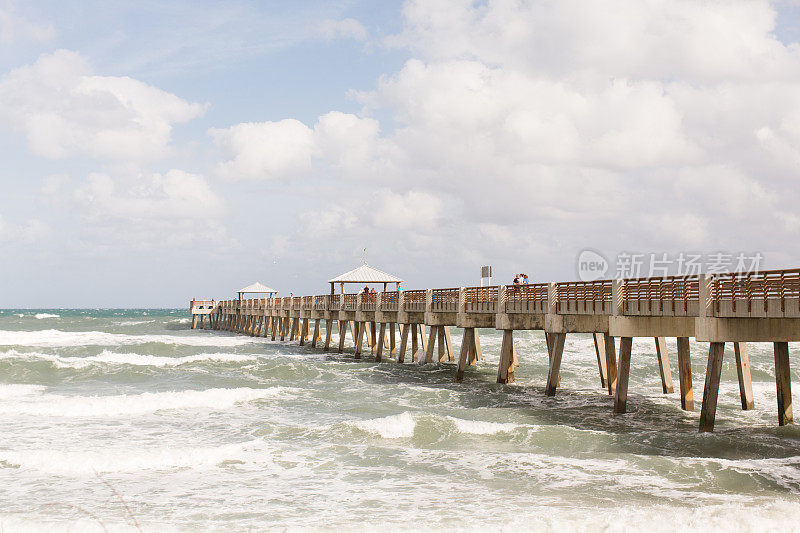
x: 480, y: 427
x: 389, y: 427
x: 40, y: 316
x: 19, y: 390
x: 56, y: 405
x: 134, y: 322
x: 126, y: 459
x: 58, y: 338
x: 109, y: 358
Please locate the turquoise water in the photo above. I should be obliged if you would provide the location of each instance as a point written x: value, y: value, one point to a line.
x: 123, y: 418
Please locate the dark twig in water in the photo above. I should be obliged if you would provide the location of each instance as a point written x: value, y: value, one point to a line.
x: 80, y: 509
x: 121, y: 499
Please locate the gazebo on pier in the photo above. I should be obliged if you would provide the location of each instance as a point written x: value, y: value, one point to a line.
x: 257, y: 288
x: 364, y: 274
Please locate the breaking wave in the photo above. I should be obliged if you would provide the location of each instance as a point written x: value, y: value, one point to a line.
x: 34, y: 402
x: 58, y: 338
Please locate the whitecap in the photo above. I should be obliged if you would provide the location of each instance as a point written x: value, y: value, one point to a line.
x: 389, y: 427
x: 91, y: 461
x: 134, y: 322
x: 58, y: 338
x: 480, y: 427
x: 108, y: 358
x: 40, y: 316
x: 123, y: 405
x: 14, y: 390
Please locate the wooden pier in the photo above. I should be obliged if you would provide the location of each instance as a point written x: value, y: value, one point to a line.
x: 415, y: 326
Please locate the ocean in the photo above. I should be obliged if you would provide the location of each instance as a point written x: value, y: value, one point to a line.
x: 121, y: 420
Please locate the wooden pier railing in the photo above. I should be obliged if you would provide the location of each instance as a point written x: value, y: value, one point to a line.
x: 667, y: 296
x: 444, y: 300
x: 481, y: 299
x: 584, y: 297
x: 528, y: 298
x: 414, y: 301
x: 757, y: 294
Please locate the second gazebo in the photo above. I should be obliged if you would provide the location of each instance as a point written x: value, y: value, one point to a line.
x: 364, y: 274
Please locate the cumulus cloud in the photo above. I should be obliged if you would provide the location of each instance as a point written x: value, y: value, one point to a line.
x: 289, y: 149
x: 553, y: 126
x: 64, y: 110
x: 412, y: 210
x: 150, y: 210
x: 14, y: 27
x: 651, y: 39
x: 265, y: 150
x: 175, y: 194
x: 346, y: 28
x: 29, y: 232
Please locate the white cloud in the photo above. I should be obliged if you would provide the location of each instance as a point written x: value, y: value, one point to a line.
x: 266, y: 150
x: 616, y: 124
x: 651, y: 39
x: 327, y: 222
x: 14, y: 27
x: 148, y: 211
x: 346, y: 28
x: 30, y: 232
x: 64, y: 111
x: 173, y: 195
x: 286, y: 149
x: 53, y: 184
x: 414, y: 209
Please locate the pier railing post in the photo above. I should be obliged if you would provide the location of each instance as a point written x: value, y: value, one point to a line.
x: 552, y: 299
x: 705, y: 285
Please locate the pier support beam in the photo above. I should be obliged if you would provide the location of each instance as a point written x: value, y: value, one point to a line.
x: 611, y: 363
x: 431, y: 344
x: 743, y: 373
x: 328, y: 332
x: 708, y: 411
x: 381, y: 340
x: 448, y: 342
x: 303, y: 331
x: 468, y: 353
x: 783, y: 383
x: 600, y: 350
x: 505, y: 371
x: 343, y: 324
x: 663, y: 365
x: 554, y: 372
x: 316, y: 333
x: 685, y: 374
x: 404, y: 331
x: 621, y: 397
x: 477, y: 354
x: 414, y: 343
x: 360, y: 327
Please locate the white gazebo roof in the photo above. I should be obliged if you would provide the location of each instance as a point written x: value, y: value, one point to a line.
x: 365, y: 274
x: 257, y: 288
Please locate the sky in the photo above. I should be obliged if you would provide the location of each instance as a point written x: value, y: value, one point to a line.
x: 155, y: 152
